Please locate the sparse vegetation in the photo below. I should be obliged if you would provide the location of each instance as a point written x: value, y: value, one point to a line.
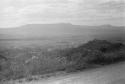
x: 25, y: 62
x: 96, y: 52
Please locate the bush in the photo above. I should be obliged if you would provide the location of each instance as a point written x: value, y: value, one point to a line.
x: 99, y: 52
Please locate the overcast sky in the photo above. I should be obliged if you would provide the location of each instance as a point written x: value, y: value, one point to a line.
x: 83, y: 12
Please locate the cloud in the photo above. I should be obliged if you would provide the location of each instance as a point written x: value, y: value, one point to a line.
x: 87, y: 12
x: 112, y: 6
x: 113, y: 10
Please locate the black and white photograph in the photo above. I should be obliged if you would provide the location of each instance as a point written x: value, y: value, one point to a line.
x: 62, y: 41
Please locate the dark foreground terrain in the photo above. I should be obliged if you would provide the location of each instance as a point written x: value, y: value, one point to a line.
x: 111, y: 74
x: 21, y: 63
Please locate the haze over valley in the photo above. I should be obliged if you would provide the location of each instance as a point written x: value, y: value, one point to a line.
x: 61, y: 33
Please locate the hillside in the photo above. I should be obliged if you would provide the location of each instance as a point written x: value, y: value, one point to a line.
x: 26, y: 62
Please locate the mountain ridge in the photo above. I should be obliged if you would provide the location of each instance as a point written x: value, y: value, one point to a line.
x: 57, y: 30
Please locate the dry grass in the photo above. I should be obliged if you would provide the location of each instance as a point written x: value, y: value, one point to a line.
x: 28, y: 62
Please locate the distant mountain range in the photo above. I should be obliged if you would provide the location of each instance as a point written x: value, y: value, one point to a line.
x: 36, y: 31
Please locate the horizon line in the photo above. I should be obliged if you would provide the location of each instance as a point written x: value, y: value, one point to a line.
x: 3, y: 27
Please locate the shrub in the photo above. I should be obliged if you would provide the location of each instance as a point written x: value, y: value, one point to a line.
x: 98, y: 52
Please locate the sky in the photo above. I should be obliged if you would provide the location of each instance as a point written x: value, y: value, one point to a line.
x: 83, y: 12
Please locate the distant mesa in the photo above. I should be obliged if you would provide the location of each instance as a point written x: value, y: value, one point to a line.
x: 38, y: 31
